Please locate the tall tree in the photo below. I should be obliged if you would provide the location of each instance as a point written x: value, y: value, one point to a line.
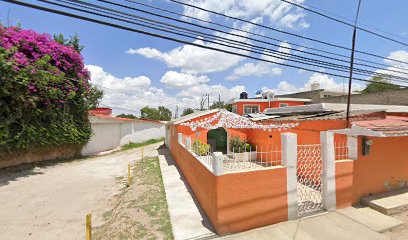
x: 221, y: 104
x: 187, y: 111
x: 130, y: 116
x: 72, y: 41
x: 161, y: 113
x: 379, y: 85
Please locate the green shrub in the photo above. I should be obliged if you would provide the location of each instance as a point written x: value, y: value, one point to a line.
x: 200, y: 148
x: 239, y: 145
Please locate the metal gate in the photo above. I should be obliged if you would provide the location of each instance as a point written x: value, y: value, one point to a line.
x: 309, y: 179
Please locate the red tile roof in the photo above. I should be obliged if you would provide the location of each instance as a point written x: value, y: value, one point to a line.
x: 389, y: 126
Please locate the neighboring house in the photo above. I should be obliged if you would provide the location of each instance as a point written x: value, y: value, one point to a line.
x: 319, y: 162
x: 110, y: 132
x: 245, y: 105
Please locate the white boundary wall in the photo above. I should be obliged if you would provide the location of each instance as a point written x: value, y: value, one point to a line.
x: 110, y: 133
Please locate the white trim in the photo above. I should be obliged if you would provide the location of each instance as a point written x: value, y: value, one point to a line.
x: 271, y: 100
x: 328, y: 171
x: 195, y: 115
x: 289, y: 158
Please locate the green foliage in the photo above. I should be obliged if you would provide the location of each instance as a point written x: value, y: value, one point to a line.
x: 379, y: 85
x: 136, y: 145
x: 221, y: 105
x: 161, y: 114
x: 200, y: 148
x: 130, y: 116
x: 72, y: 41
x: 187, y: 111
x: 239, y: 145
x: 42, y: 104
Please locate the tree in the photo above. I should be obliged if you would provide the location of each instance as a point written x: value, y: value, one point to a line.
x: 379, y: 85
x: 187, y: 111
x: 162, y: 113
x: 72, y: 41
x: 221, y: 105
x: 130, y: 116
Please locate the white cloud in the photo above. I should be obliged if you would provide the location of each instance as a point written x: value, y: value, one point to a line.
x: 397, y: 68
x: 194, y: 60
x: 130, y: 94
x: 182, y: 80
x: 260, y: 68
x: 102, y: 78
x: 325, y: 82
x: 280, y: 14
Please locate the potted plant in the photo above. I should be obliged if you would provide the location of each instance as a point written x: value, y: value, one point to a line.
x: 242, y: 150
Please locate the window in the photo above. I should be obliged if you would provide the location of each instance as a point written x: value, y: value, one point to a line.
x: 234, y: 109
x: 248, y: 109
x: 283, y: 105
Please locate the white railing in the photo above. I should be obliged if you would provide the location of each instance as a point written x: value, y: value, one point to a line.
x: 341, y: 151
x: 252, y: 158
x: 204, y: 156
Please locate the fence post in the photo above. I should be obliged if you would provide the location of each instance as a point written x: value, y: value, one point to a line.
x: 329, y: 171
x: 88, y: 226
x: 188, y: 144
x: 352, y: 147
x: 289, y: 158
x: 180, y: 138
x: 218, y: 163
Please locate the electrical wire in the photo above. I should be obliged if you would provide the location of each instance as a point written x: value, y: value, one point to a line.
x: 285, y: 32
x: 325, y: 64
x: 173, y: 39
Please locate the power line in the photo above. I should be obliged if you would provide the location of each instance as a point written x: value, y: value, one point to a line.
x: 284, y: 32
x: 259, y: 35
x: 331, y: 66
x: 232, y: 34
x: 345, y: 23
x: 173, y: 39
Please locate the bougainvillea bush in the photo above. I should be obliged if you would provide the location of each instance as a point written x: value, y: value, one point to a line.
x: 45, y: 92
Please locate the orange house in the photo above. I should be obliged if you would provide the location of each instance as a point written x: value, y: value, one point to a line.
x: 240, y: 200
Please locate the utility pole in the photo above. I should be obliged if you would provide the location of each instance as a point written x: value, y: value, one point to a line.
x: 219, y: 98
x: 176, y: 113
x: 208, y: 101
x: 351, y: 66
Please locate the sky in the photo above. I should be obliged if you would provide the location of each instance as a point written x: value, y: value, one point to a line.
x: 136, y: 70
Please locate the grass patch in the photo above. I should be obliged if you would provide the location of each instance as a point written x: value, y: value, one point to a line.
x: 139, y: 211
x: 145, y: 143
x: 153, y: 201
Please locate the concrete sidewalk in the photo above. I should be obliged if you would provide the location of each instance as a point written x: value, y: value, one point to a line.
x: 187, y: 218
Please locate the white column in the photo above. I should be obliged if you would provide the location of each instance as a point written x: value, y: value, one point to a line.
x: 352, y: 147
x: 328, y: 171
x: 218, y: 163
x: 289, y: 158
x: 188, y: 143
x: 180, y: 138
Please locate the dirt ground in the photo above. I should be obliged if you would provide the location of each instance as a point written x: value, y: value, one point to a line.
x: 401, y: 232
x: 50, y: 201
x: 139, y: 211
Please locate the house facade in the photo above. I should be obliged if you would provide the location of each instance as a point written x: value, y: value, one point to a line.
x: 298, y: 164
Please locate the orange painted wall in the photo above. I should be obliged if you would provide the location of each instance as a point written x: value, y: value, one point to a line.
x: 264, y: 105
x: 252, y: 199
x: 202, y: 182
x: 344, y: 183
x: 234, y: 202
x: 383, y: 169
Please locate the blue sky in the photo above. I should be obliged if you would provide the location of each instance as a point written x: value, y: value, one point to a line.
x: 157, y: 72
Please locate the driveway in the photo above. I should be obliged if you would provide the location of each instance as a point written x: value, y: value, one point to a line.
x: 51, y: 202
